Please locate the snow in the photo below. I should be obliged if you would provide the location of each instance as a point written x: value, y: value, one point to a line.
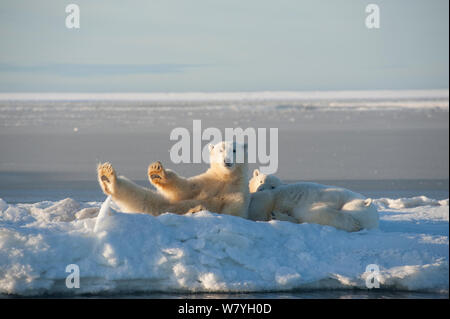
x: 120, y: 253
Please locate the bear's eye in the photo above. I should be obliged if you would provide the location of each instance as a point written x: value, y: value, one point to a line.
x: 260, y: 182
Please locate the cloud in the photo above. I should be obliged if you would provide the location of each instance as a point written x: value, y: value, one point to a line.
x: 81, y: 70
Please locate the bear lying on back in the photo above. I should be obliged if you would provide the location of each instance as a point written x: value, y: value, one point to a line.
x: 222, y: 189
x: 310, y: 203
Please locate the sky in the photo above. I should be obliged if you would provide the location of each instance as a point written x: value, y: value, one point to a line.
x: 222, y: 45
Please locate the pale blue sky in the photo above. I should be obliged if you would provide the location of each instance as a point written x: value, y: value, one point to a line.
x: 222, y: 45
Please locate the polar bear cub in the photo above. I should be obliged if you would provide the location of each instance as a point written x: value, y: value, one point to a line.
x: 261, y: 182
x: 222, y: 189
x: 310, y: 203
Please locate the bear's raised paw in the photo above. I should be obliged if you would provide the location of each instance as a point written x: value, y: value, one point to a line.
x: 106, y: 177
x: 156, y: 172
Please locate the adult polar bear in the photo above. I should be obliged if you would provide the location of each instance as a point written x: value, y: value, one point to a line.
x: 310, y: 203
x: 223, y: 188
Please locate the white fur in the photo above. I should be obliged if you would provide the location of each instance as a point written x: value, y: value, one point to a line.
x: 313, y: 203
x: 260, y: 182
x: 223, y: 188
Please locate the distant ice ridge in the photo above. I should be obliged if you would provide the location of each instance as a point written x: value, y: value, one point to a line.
x: 217, y: 253
x: 331, y: 99
x: 223, y: 96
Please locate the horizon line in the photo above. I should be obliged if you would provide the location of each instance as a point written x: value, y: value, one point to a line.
x: 231, y: 95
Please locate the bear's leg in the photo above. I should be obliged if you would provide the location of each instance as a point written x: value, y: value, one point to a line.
x: 183, y: 207
x: 156, y: 173
x: 170, y: 184
x: 197, y: 209
x: 283, y: 217
x: 364, y: 211
x: 107, y: 178
x: 326, y: 215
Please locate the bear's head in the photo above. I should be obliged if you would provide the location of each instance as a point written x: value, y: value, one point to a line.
x: 261, y: 182
x: 228, y: 157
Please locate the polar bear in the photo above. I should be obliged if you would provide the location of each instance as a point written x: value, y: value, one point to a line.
x: 132, y: 198
x: 222, y: 189
x: 260, y: 182
x: 310, y: 203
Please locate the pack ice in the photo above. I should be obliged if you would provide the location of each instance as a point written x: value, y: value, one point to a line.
x: 207, y: 252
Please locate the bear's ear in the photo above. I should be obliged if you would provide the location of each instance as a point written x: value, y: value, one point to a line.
x: 255, y: 172
x: 210, y: 146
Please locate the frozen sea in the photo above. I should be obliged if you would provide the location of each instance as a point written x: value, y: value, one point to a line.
x: 388, y: 145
